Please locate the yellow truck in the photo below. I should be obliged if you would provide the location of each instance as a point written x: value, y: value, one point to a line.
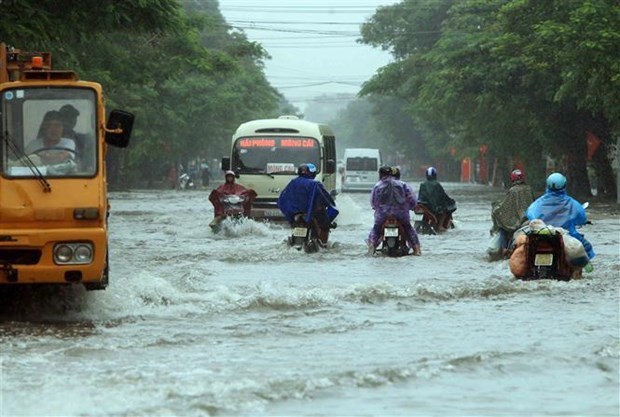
x: 53, y: 189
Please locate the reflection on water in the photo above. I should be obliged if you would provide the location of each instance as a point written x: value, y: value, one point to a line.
x: 41, y: 302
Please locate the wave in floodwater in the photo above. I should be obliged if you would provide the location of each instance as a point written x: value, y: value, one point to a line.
x: 257, y: 394
x: 193, y: 294
x: 242, y: 324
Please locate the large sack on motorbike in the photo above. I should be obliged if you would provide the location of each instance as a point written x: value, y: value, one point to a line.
x: 517, y: 261
x: 575, y: 252
x: 538, y: 226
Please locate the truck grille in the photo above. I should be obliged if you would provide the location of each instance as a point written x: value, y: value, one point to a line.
x: 19, y: 256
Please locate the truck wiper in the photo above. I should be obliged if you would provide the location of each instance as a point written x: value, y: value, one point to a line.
x: 19, y: 154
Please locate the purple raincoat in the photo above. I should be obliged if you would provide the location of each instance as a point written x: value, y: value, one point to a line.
x: 391, y: 197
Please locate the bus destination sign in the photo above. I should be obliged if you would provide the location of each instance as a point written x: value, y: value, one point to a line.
x: 283, y: 142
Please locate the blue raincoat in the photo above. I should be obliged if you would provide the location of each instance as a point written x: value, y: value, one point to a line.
x: 305, y: 195
x: 556, y: 208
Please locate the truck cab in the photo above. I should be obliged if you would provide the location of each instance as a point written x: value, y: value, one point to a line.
x: 53, y: 189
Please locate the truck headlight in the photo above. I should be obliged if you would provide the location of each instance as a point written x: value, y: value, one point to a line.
x: 83, y: 254
x: 63, y: 254
x: 73, y: 253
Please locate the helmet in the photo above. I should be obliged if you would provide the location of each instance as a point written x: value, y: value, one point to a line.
x: 384, y: 171
x: 431, y: 173
x: 556, y: 181
x: 307, y: 170
x: 396, y: 172
x: 230, y: 173
x: 517, y: 175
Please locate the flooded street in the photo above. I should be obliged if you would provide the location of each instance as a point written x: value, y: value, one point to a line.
x: 197, y: 324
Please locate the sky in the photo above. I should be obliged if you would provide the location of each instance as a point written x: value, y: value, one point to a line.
x: 312, y: 43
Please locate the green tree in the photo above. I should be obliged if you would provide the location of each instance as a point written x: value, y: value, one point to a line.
x: 46, y: 24
x: 188, y: 78
x: 527, y: 78
x: 576, y: 42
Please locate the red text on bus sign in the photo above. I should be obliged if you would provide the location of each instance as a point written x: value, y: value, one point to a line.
x: 280, y: 142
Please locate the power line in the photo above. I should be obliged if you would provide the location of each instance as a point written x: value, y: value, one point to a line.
x: 317, y: 46
x: 319, y: 83
x: 312, y: 31
x: 331, y: 33
x: 290, y: 22
x: 312, y: 24
x: 302, y: 9
x: 344, y: 78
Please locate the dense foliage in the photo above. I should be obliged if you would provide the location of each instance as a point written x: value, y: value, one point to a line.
x: 527, y: 78
x: 189, y: 79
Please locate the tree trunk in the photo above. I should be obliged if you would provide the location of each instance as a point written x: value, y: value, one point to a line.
x: 575, y: 149
x: 578, y: 184
x: 115, y: 170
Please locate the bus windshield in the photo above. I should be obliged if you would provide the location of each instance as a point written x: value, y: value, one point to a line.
x: 50, y: 129
x: 274, y: 154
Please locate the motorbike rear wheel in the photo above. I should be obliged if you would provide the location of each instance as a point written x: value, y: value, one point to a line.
x: 424, y: 228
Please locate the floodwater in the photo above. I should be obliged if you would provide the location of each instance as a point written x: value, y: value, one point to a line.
x: 197, y: 324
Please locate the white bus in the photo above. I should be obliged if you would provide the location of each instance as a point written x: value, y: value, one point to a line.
x: 265, y: 155
x: 361, y: 167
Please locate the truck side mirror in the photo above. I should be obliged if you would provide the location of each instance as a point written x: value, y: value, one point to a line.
x: 118, y: 128
x: 225, y: 164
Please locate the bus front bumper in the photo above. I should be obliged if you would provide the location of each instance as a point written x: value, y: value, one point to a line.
x: 267, y: 211
x: 66, y: 274
x: 29, y: 258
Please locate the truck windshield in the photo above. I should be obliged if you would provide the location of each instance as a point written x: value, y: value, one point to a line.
x: 50, y: 129
x: 274, y: 154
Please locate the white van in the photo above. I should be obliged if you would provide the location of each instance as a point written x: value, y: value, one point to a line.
x: 361, y: 169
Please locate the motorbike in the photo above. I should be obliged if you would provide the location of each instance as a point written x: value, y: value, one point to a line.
x: 426, y: 223
x: 186, y: 182
x: 393, y: 239
x: 545, y: 252
x: 548, y: 254
x: 235, y: 207
x: 308, y: 236
x: 545, y: 258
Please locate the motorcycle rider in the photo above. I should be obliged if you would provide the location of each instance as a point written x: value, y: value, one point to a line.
x: 432, y: 195
x: 508, y: 214
x: 304, y: 194
x: 230, y: 187
x: 392, y: 197
x: 396, y: 173
x: 396, y: 176
x: 557, y: 209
